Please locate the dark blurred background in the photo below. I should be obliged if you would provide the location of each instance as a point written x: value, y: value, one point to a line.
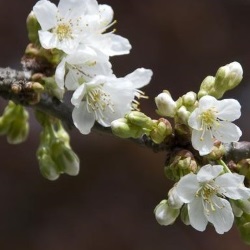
x: 110, y: 204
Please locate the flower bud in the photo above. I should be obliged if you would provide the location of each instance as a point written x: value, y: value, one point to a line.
x: 217, y: 152
x: 139, y: 119
x: 180, y: 164
x: 206, y: 87
x: 189, y: 98
x: 65, y: 159
x: 243, y: 167
x: 33, y: 27
x: 183, y: 115
x: 164, y: 214
x: 14, y: 123
x: 162, y: 129
x: 243, y: 224
x: 184, y: 215
x: 165, y: 104
x: 123, y: 129
x: 48, y: 167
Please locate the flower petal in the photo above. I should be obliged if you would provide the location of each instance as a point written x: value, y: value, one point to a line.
x: 194, y: 121
x: 205, y: 145
x: 228, y: 109
x: 187, y: 187
x: 60, y: 73
x: 140, y: 77
x: 48, y: 40
x: 221, y: 215
x: 45, y: 12
x: 231, y: 185
x: 207, y: 102
x: 227, y: 132
x: 196, y: 215
x: 209, y: 172
x: 82, y: 119
x: 78, y: 95
x: 106, y: 14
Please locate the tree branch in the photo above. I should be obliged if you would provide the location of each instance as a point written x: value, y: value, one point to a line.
x: 17, y: 86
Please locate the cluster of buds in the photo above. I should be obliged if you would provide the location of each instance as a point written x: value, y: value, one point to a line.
x: 14, y: 123
x: 55, y: 155
x: 226, y: 78
x: 136, y: 124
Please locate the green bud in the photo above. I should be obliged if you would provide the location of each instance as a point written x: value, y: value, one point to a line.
x: 184, y: 215
x: 243, y: 224
x: 226, y: 78
x: 165, y: 104
x: 164, y: 214
x: 217, y: 152
x: 243, y: 167
x: 162, y: 129
x: 33, y: 27
x: 139, y: 119
x: 207, y: 86
x: 183, y: 115
x: 64, y: 157
x: 48, y: 167
x: 180, y: 164
x: 52, y: 88
x: 124, y: 129
x: 189, y: 98
x: 14, y: 123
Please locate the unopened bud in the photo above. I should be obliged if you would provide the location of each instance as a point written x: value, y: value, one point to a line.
x: 164, y: 214
x: 33, y: 26
x: 165, y: 104
x: 123, y: 129
x: 182, y: 163
x: 243, y: 224
x: 189, y: 98
x: 162, y: 129
x: 183, y: 115
x: 217, y: 152
x: 139, y: 119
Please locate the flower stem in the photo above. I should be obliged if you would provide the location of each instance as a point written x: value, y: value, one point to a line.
x: 225, y: 167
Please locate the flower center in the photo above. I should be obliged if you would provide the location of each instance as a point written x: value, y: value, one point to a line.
x: 209, y: 117
x: 206, y: 192
x: 208, y: 120
x: 98, y: 101
x: 63, y: 31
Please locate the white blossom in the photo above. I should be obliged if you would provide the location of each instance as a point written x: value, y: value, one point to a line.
x: 77, y: 23
x: 212, y: 119
x: 106, y: 98
x: 205, y: 195
x: 81, y: 67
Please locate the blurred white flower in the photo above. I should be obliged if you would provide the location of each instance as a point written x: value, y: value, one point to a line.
x: 106, y: 98
x: 205, y: 195
x: 212, y: 120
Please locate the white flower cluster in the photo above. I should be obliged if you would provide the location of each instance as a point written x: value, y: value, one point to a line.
x: 204, y: 195
x: 77, y: 27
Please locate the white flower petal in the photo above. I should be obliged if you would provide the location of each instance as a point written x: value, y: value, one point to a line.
x: 205, y: 145
x: 78, y: 95
x: 207, y: 102
x: 227, y: 132
x: 48, y: 40
x: 106, y: 14
x: 60, y: 73
x: 113, y: 45
x: 196, y: 214
x: 231, y: 185
x: 228, y: 109
x: 221, y: 216
x: 140, y: 77
x: 187, y: 187
x: 45, y: 12
x: 82, y: 119
x: 194, y: 121
x: 209, y: 172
